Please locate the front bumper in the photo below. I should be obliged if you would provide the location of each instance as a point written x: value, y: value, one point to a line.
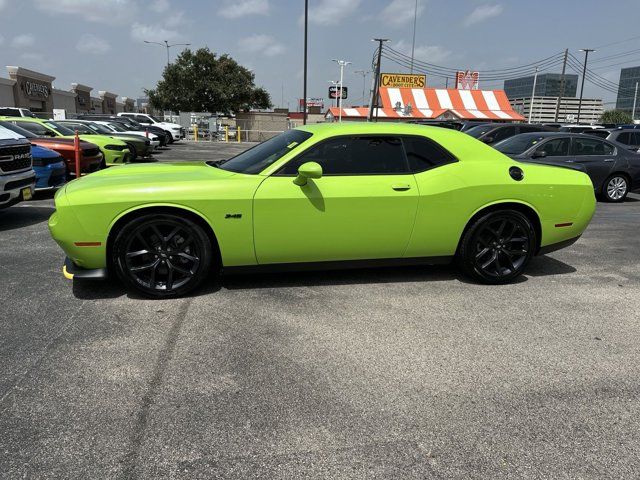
x: 71, y: 271
x: 50, y: 176
x: 12, y: 186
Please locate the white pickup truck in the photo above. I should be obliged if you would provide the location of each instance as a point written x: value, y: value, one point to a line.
x: 17, y: 178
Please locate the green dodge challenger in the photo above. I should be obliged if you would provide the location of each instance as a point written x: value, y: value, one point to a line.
x: 322, y: 196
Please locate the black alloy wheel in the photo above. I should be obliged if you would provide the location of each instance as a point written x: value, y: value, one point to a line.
x: 615, y: 188
x: 497, y: 247
x: 133, y: 153
x: 162, y: 255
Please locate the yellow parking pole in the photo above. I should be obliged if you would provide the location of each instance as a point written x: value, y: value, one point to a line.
x: 195, y: 132
x: 226, y: 133
x: 238, y: 133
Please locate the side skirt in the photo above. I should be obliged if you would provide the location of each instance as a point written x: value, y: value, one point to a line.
x: 557, y: 246
x: 335, y: 265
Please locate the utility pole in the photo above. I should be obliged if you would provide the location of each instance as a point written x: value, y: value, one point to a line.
x: 413, y: 44
x: 304, y: 88
x: 584, y: 73
x: 376, y: 79
x: 635, y: 98
x: 364, y: 74
x: 341, y: 64
x: 561, y: 92
x: 533, y: 93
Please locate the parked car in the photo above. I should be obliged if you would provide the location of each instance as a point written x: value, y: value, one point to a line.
x: 630, y: 138
x: 90, y: 156
x: 16, y: 112
x: 579, y: 128
x: 174, y: 130
x: 50, y: 168
x: 131, y: 125
x: 120, y: 129
x: 490, y: 133
x: 138, y: 145
x: 614, y: 170
x: 114, y: 151
x: 17, y: 178
x: 321, y: 196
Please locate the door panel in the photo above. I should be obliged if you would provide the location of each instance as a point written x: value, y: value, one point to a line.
x: 334, y: 218
x: 596, y: 156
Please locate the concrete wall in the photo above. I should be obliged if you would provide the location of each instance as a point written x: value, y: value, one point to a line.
x: 261, y: 126
x: 96, y: 105
x: 6, y: 93
x: 120, y: 107
x: 64, y: 99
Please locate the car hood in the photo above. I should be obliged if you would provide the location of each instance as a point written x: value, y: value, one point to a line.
x: 147, y: 177
x: 99, y: 140
x: 61, y: 143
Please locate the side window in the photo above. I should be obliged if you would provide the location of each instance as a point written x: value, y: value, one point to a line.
x: 588, y: 147
x: 502, y: 133
x: 625, y: 138
x: 34, y: 128
x: 558, y: 147
x: 529, y: 129
x: 353, y: 156
x: 142, y: 119
x: 423, y: 154
x: 635, y: 139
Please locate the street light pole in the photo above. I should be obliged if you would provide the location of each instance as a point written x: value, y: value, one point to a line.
x: 533, y: 93
x: 167, y: 45
x: 341, y: 64
x: 304, y: 88
x: 635, y: 98
x: 584, y: 72
x: 364, y: 74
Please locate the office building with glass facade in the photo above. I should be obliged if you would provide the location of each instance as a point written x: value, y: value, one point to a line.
x: 547, y: 85
x: 626, y: 89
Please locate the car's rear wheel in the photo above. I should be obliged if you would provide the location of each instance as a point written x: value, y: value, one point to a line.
x: 497, y: 247
x: 615, y: 188
x: 162, y: 255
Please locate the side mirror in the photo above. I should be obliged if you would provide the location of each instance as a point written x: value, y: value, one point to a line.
x: 306, y: 171
x: 487, y: 139
x: 539, y: 154
x: 50, y: 133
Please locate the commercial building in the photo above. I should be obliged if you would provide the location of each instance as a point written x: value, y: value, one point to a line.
x: 35, y: 90
x: 411, y: 104
x: 547, y: 85
x: 626, y: 89
x: 543, y: 109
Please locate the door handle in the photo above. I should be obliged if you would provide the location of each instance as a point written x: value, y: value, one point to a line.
x: 608, y: 159
x: 401, y: 187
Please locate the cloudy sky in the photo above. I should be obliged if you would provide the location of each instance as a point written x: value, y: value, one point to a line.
x: 100, y: 42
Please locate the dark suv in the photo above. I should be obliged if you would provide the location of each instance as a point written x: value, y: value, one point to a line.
x: 630, y: 138
x: 495, y: 132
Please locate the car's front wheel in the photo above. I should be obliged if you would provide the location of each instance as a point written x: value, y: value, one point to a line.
x: 162, y: 255
x: 169, y: 136
x: 497, y: 247
x: 615, y: 188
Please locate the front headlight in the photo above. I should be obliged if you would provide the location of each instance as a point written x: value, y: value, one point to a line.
x: 118, y: 148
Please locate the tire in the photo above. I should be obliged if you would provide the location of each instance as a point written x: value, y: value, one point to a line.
x: 615, y: 188
x: 133, y: 153
x: 162, y: 255
x: 497, y: 247
x: 169, y: 136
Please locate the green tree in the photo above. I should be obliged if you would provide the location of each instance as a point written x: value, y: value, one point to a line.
x: 616, y: 117
x: 201, y: 81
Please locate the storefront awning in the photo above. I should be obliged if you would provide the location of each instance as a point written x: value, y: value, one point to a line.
x: 438, y: 103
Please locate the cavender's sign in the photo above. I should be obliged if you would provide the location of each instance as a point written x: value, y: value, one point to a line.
x: 402, y: 80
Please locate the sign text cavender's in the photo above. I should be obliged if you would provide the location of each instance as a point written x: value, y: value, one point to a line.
x: 403, y: 80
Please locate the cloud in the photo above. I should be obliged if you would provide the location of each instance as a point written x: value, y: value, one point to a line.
x: 263, y: 44
x: 98, y: 11
x: 89, y: 43
x: 3, y: 3
x: 399, y: 12
x: 1, y: 37
x: 241, y: 8
x: 175, y: 20
x: 425, y: 53
x: 152, y: 33
x: 482, y: 13
x: 332, y: 12
x: 160, y: 6
x: 23, y: 41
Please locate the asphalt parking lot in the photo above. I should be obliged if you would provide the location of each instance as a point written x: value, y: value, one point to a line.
x: 384, y: 373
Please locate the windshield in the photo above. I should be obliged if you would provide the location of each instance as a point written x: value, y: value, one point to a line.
x: 479, y: 130
x: 155, y: 119
x: 518, y: 144
x: 264, y: 154
x: 18, y: 130
x: 58, y: 127
x: 81, y: 127
x: 116, y: 127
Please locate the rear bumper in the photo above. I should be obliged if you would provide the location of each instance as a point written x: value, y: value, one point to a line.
x: 71, y: 271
